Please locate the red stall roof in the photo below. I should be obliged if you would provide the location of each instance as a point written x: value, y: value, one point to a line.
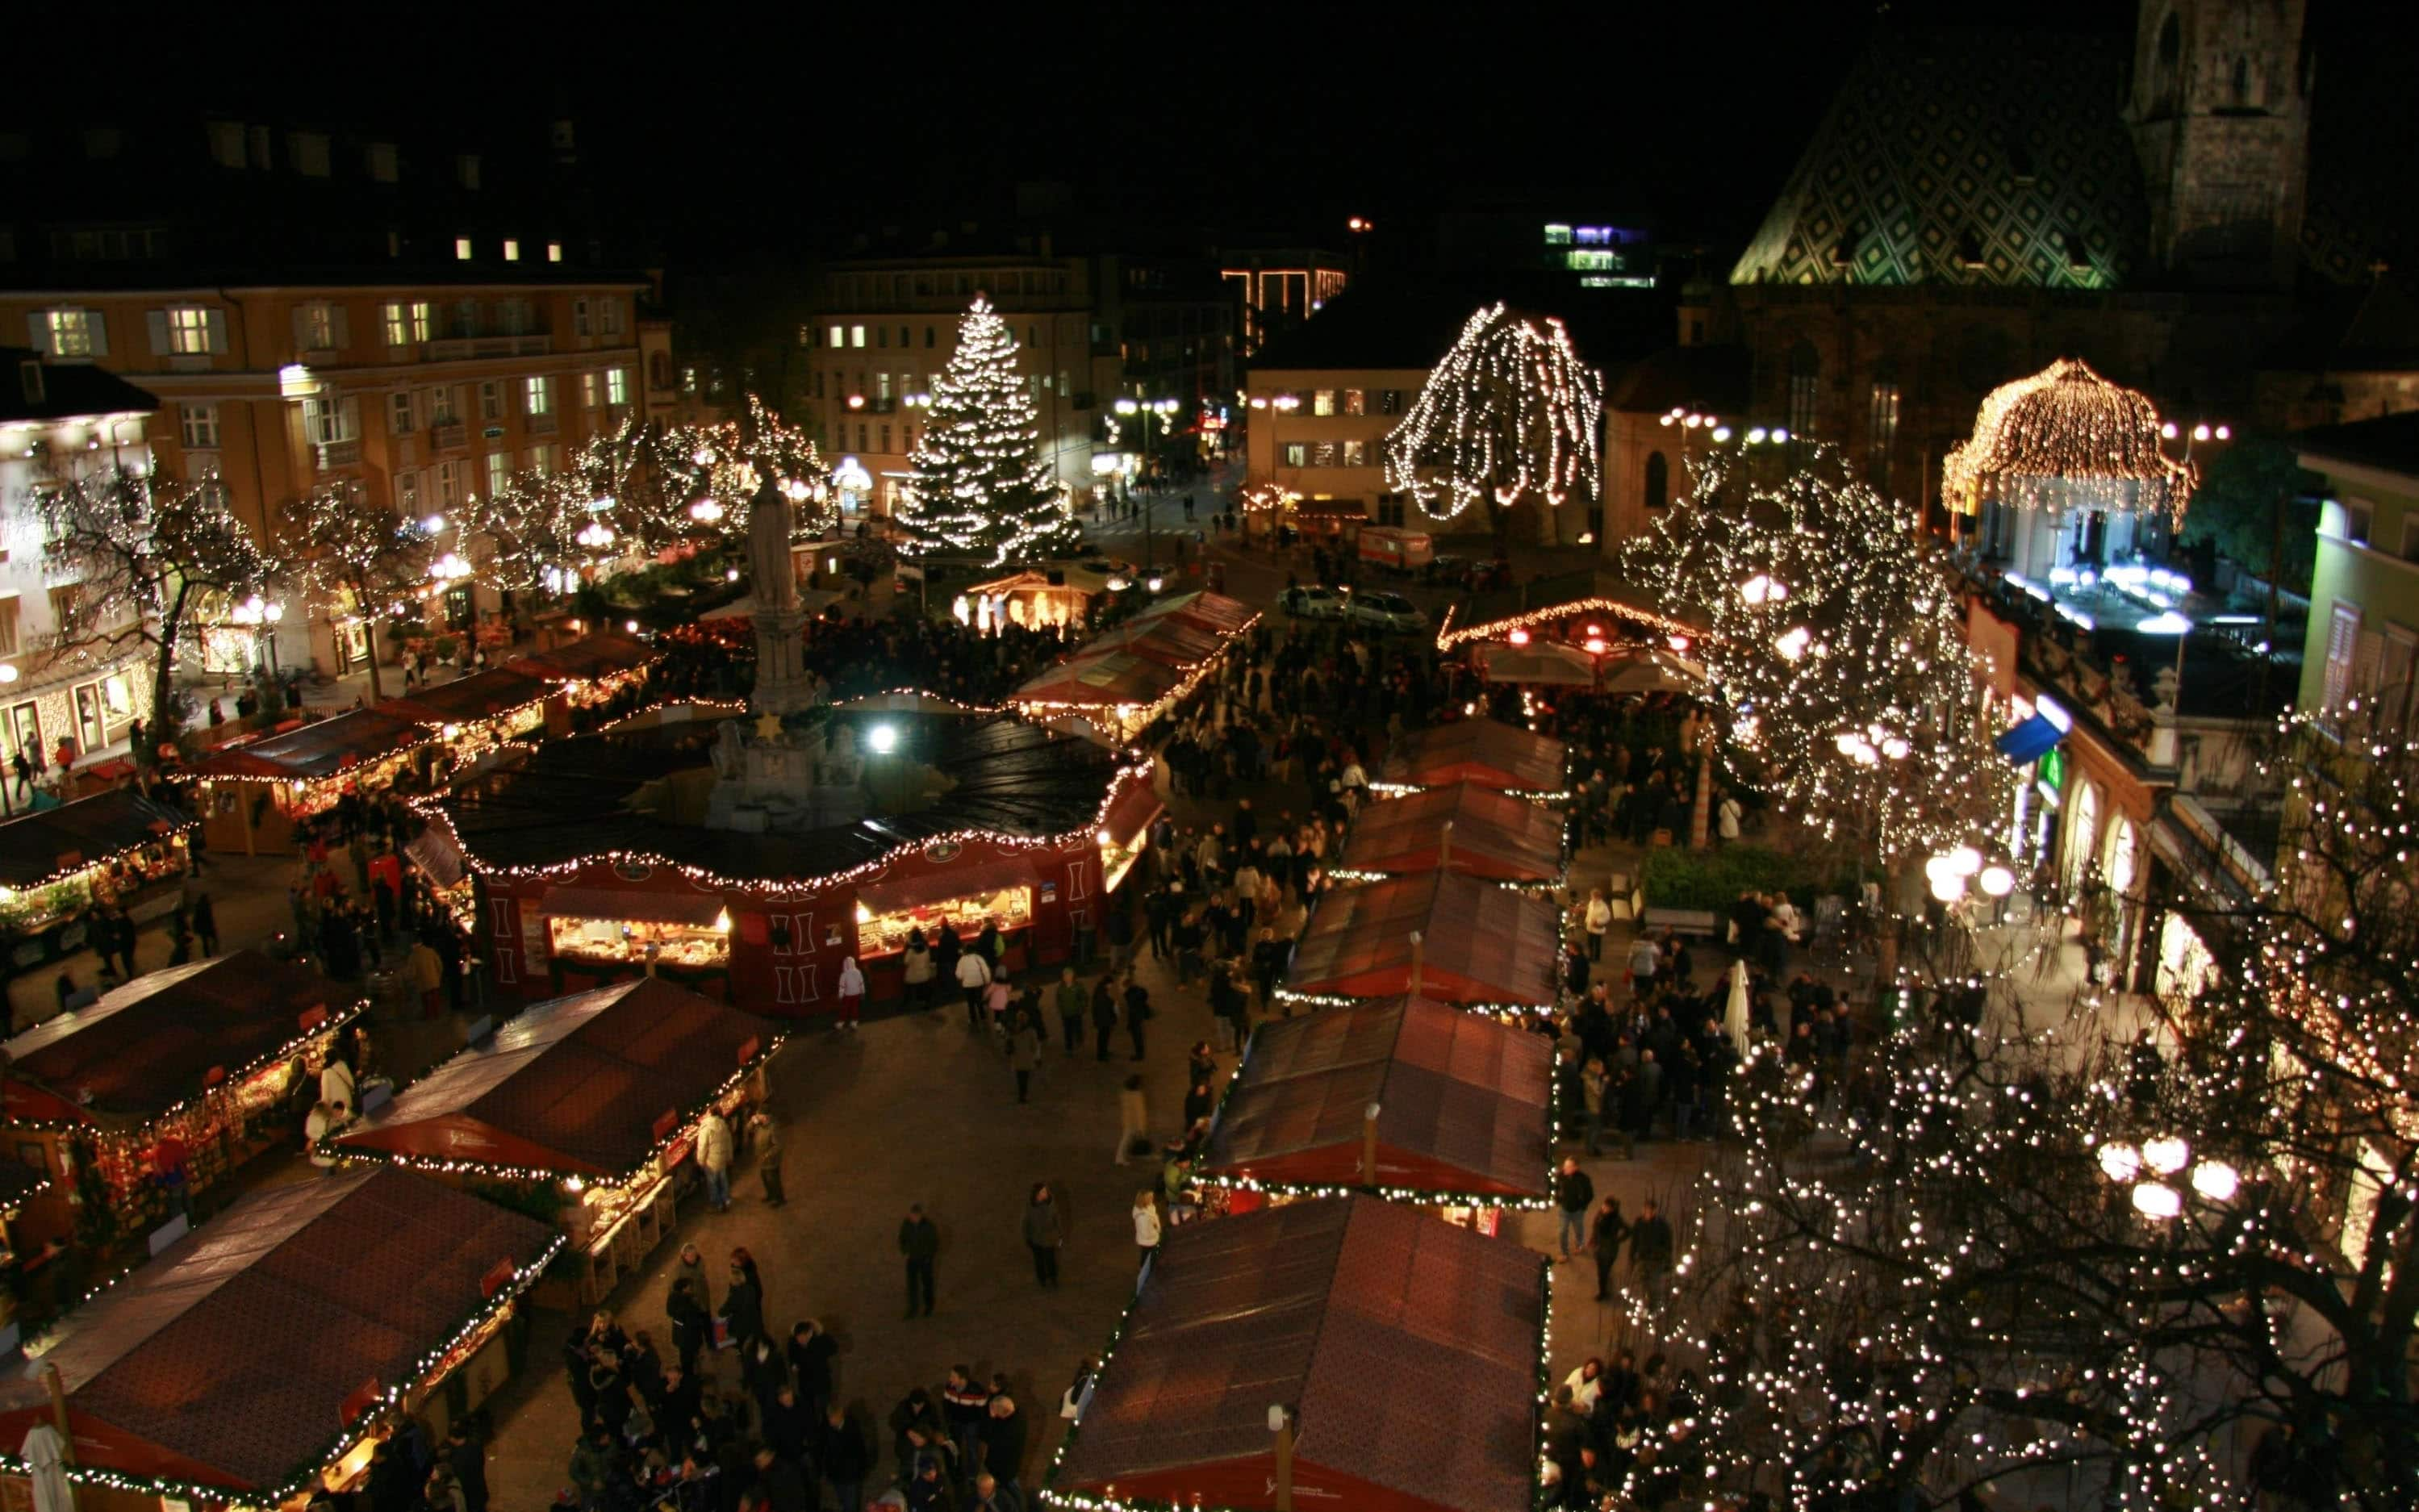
x: 1215, y: 612
x: 317, y: 750
x: 1174, y: 641
x: 227, y: 1361
x: 155, y: 1042
x: 1464, y: 1101
x: 1480, y: 943
x: 601, y: 655
x: 468, y: 700
x: 577, y: 1084
x: 1494, y: 835
x: 1111, y: 679
x: 1409, y: 1346
x: 1483, y: 751
x: 49, y: 842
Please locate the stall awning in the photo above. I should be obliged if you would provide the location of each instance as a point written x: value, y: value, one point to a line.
x: 2030, y: 741
x: 154, y: 1043
x: 1464, y: 1101
x: 898, y: 894
x: 228, y: 1360
x: 1479, y: 943
x: 469, y: 699
x: 1484, y: 751
x: 1109, y: 679
x: 1494, y: 835
x: 637, y: 904
x: 585, y: 660
x: 435, y: 852
x: 42, y: 845
x: 317, y: 750
x: 1409, y: 1347
x: 577, y: 1085
x: 1212, y: 612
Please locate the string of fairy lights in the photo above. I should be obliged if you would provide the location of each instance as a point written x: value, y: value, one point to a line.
x: 1509, y: 413
x: 2067, y: 434
x: 979, y: 484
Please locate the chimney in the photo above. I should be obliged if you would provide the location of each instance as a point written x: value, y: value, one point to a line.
x: 1369, y: 1144
x: 1418, y: 961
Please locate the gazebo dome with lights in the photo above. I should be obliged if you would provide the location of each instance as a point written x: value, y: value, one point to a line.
x: 2066, y: 433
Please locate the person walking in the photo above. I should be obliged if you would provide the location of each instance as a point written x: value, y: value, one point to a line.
x: 691, y: 1326
x: 1597, y: 919
x: 1574, y: 1193
x: 1650, y: 1250
x: 1073, y: 1001
x: 1045, y: 1235
x: 974, y: 979
x: 1605, y: 1235
x: 1104, y: 1016
x: 1146, y: 1228
x: 206, y: 922
x: 767, y: 1135
x: 918, y: 971
x: 743, y: 1309
x: 1133, y: 1118
x: 919, y: 1244
x: 852, y: 995
x: 844, y: 1460
x: 1137, y: 1013
x: 713, y: 1151
x: 1025, y: 1052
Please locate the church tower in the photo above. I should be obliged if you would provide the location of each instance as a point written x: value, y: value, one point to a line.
x: 2221, y: 116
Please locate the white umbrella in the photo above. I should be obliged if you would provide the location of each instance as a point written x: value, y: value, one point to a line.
x: 1735, y: 1019
x: 1654, y: 671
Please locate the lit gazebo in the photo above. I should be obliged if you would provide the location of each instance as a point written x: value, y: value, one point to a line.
x: 2068, y: 478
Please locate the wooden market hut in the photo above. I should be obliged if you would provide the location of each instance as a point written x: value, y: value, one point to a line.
x: 596, y: 1096
x: 587, y: 671
x: 1216, y: 612
x: 252, y: 792
x: 499, y: 701
x: 117, y: 846
x: 1459, y: 827
x: 1464, y: 1104
x: 1484, y: 751
x: 1407, y: 1351
x: 253, y: 1360
x: 162, y: 1088
x: 1127, y: 677
x: 1478, y: 944
x: 1046, y: 594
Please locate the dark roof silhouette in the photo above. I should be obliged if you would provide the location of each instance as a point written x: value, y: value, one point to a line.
x: 2390, y: 441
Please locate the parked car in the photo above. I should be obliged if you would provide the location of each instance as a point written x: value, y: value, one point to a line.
x: 1386, y: 611
x: 1314, y: 603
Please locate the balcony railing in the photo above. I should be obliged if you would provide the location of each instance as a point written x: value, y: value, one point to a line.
x: 457, y: 348
x: 449, y: 436
x: 545, y: 425
x: 337, y: 454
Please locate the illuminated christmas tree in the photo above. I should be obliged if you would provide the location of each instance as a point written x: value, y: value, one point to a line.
x: 1509, y: 414
x: 980, y: 486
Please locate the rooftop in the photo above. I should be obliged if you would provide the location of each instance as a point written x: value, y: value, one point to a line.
x: 2389, y: 444
x: 46, y: 390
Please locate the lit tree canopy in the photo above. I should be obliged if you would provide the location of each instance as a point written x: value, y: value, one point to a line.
x: 2067, y: 432
x: 1510, y: 413
x: 980, y: 485
x: 355, y: 555
x: 2108, y: 1246
x: 1835, y: 646
x: 143, y: 554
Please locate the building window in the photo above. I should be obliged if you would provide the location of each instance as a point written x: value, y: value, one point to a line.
x: 1356, y: 453
x: 2343, y: 650
x: 2393, y: 669
x: 2358, y: 515
x: 580, y: 317
x: 227, y: 144
x: 1322, y: 454
x: 1296, y: 454
x: 466, y: 170
x: 327, y: 420
x: 617, y: 385
x: 1322, y: 402
x: 881, y: 337
x: 512, y: 250
x: 491, y: 400
x: 461, y: 249
x: 541, y: 459
x: 315, y: 325
x: 309, y: 152
x: 407, y: 494
x: 1390, y: 509
x: 537, y: 396
x: 407, y: 321
x: 608, y: 316
x: 72, y: 332
x: 188, y: 329
x: 857, y: 335
x: 1356, y: 401
x: 1804, y: 389
x: 1658, y: 480
x: 1881, y: 428
x: 378, y: 159
x: 1390, y: 401
x: 449, y: 484
x: 399, y: 416
x: 199, y: 426
x: 500, y: 473
x: 839, y: 337
x: 592, y: 390
x: 886, y: 441
x: 928, y: 338
x: 440, y: 405
x: 862, y: 444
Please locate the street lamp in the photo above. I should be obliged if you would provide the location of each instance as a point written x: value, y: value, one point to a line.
x: 2147, y: 1170
x: 705, y: 511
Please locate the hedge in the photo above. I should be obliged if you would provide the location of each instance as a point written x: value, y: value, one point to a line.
x: 1674, y: 877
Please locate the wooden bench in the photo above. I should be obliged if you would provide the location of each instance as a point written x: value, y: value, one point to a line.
x: 1698, y: 921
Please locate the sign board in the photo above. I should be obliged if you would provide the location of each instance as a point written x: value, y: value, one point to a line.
x: 498, y: 1276
x: 493, y: 433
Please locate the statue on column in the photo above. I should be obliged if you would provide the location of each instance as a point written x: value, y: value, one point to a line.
x: 782, y: 684
x: 768, y: 548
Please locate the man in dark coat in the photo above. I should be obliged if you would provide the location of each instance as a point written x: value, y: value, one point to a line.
x: 919, y: 1244
x: 841, y: 1455
x: 468, y: 1458
x: 1574, y: 1193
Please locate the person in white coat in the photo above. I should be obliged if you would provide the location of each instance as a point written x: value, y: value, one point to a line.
x: 1146, y: 1228
x: 713, y: 1151
x: 337, y: 1085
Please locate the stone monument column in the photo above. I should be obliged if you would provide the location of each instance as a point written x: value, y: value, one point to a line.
x: 782, y: 685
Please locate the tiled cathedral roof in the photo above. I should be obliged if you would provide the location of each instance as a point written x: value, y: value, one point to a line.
x: 1982, y: 159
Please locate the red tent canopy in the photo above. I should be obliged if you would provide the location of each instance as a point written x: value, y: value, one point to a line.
x: 1215, y: 612
x: 317, y: 750
x: 1483, y: 751
x: 1410, y: 1348
x: 1111, y: 679
x: 1479, y: 943
x: 1464, y: 1101
x: 1172, y: 639
x: 226, y: 1362
x: 153, y: 1043
x: 577, y: 1084
x: 601, y: 655
x: 467, y: 699
x: 1494, y: 835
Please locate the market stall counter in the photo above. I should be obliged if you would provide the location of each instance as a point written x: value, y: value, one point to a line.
x: 601, y: 933
x: 149, y: 1099
x: 118, y: 847
x: 588, y: 671
x: 594, y: 1100
x: 262, y: 1356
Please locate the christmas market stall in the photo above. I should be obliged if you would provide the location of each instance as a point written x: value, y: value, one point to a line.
x: 586, y: 672
x: 1216, y: 612
x: 1404, y: 1096
x: 1125, y: 679
x: 1486, y: 751
x: 262, y: 1356
x: 1459, y: 827
x: 153, y: 1096
x: 1404, y: 1359
x: 1572, y: 607
x: 475, y: 714
x: 588, y: 1105
x: 1536, y: 664
x: 1048, y: 594
x: 252, y: 793
x: 756, y: 866
x: 1441, y: 934
x: 116, y: 847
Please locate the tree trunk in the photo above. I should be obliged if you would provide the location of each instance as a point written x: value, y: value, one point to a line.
x: 369, y: 643
x: 161, y: 726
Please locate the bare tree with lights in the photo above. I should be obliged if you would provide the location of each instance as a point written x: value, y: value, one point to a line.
x: 355, y: 555
x: 1835, y: 650
x: 142, y: 554
x: 1509, y: 415
x: 2126, y: 1253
